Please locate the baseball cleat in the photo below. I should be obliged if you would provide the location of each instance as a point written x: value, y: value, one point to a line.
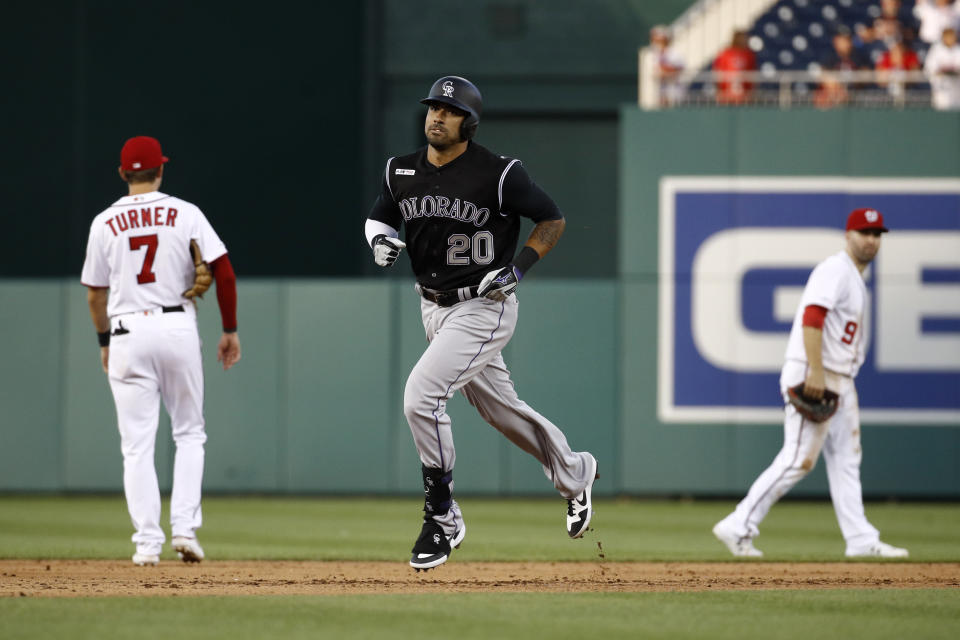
x: 188, y: 549
x: 580, y: 509
x: 740, y: 546
x: 878, y: 550
x: 146, y: 559
x: 433, y: 546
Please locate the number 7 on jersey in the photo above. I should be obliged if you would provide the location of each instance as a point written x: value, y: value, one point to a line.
x: 146, y: 274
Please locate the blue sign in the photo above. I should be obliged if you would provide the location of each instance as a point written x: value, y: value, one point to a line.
x: 735, y: 254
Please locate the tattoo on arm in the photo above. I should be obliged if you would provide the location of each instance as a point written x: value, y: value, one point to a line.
x: 545, y: 235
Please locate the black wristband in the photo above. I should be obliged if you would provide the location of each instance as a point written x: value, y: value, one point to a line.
x: 527, y: 257
x: 103, y: 338
x: 234, y: 330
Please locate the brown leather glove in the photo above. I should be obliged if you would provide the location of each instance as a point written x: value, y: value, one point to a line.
x: 818, y: 410
x: 203, y: 277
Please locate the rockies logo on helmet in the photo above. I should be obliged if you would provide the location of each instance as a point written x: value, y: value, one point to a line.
x: 467, y: 99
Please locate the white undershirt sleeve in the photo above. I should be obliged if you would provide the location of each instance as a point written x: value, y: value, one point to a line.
x: 374, y: 228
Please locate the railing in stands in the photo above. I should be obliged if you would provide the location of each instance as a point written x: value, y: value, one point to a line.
x: 786, y: 89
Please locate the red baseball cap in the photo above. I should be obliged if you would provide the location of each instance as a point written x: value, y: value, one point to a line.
x: 861, y: 219
x: 141, y: 153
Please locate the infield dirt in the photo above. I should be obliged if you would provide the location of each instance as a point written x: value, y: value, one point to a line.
x: 86, y: 578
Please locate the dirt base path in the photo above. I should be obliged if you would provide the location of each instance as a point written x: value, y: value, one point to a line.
x: 84, y: 578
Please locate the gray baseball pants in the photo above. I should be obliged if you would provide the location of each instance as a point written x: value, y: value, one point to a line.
x: 464, y: 354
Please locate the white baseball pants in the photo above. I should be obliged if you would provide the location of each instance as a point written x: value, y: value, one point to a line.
x: 803, y: 440
x: 464, y: 354
x: 159, y: 358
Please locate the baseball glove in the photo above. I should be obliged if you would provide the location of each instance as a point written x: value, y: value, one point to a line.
x: 815, y: 409
x: 203, y: 277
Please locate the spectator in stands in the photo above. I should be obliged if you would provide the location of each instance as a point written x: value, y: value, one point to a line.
x: 887, y: 30
x: 832, y: 91
x: 935, y: 16
x: 899, y: 58
x: 893, y: 63
x: 867, y: 42
x: 893, y: 11
x: 731, y: 62
x: 942, y: 66
x: 669, y: 66
x: 844, y: 57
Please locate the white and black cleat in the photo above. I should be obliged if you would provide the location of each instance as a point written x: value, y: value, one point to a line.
x: 580, y: 508
x: 433, y: 547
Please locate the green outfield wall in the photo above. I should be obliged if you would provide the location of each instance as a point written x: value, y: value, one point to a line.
x: 315, y: 405
x: 724, y: 458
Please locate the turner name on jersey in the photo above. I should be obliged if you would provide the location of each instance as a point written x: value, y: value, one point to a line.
x: 141, y: 218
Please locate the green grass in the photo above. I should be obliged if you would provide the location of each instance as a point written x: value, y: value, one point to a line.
x: 265, y: 528
x: 846, y: 615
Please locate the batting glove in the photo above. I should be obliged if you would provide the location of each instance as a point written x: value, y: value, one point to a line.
x: 500, y: 283
x: 386, y: 250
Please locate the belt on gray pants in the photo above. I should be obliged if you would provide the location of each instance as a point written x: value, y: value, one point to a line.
x: 449, y: 297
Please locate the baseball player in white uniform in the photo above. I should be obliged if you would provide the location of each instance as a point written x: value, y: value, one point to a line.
x: 138, y: 268
x: 827, y: 345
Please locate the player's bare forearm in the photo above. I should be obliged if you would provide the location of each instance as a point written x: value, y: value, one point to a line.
x: 97, y: 300
x: 813, y: 346
x: 545, y: 235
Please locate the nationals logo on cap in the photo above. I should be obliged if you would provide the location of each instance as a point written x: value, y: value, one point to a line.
x: 861, y: 219
x: 141, y: 153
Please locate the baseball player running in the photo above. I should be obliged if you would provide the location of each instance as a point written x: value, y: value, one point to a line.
x: 145, y: 262
x: 827, y: 345
x: 461, y: 205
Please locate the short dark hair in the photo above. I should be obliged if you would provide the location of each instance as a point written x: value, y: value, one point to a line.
x: 147, y: 175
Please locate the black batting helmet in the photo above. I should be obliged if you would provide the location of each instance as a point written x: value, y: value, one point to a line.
x: 460, y: 93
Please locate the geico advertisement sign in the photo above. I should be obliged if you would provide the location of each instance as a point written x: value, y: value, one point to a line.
x: 735, y: 254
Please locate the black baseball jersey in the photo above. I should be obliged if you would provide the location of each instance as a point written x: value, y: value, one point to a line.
x: 462, y: 219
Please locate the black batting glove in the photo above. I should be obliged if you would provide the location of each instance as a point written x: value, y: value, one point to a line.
x: 499, y: 284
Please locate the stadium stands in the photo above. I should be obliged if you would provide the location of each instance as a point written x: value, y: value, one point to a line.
x: 793, y: 43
